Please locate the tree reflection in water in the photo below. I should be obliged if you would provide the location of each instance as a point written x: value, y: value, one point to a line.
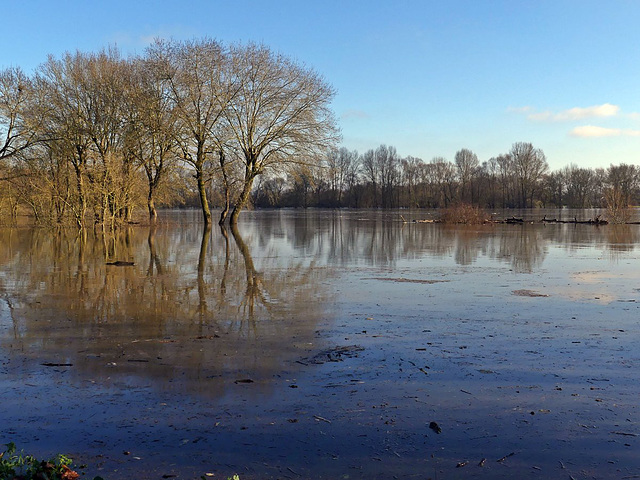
x: 201, y: 304
x: 183, y: 317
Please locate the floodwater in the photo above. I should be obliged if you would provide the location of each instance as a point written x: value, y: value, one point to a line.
x: 325, y: 344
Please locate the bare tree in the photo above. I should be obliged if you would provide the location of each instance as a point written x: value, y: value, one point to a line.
x: 487, y: 183
x: 622, y: 186
x: 152, y: 122
x: 443, y: 176
x: 410, y: 173
x: 340, y: 164
x: 105, y: 83
x: 371, y: 173
x: 66, y: 109
x: 16, y: 91
x: 467, y: 164
x: 624, y: 178
x: 279, y: 117
x: 529, y: 164
x: 555, y: 188
x: 579, y: 184
x: 196, y: 72
x: 17, y: 133
x: 388, y: 169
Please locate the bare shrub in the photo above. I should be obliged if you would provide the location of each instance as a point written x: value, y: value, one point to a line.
x: 617, y: 204
x: 464, y: 213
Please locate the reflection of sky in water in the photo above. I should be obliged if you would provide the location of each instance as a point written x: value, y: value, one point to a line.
x: 593, y: 273
x: 5, y: 315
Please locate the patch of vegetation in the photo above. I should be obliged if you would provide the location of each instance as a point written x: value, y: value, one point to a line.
x: 16, y: 465
x: 617, y: 204
x: 464, y: 213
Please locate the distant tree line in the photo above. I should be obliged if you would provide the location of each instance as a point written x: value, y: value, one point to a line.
x: 89, y: 137
x: 380, y: 178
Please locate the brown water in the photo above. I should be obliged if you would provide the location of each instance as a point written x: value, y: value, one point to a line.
x: 323, y: 344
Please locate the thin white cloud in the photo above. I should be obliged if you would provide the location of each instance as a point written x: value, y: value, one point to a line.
x: 577, y: 113
x: 592, y: 131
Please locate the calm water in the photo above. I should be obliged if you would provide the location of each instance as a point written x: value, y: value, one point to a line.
x: 322, y: 344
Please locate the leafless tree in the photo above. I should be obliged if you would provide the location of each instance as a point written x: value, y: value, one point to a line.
x: 16, y: 92
x: 371, y: 173
x: 624, y: 178
x: 389, y: 173
x: 529, y: 165
x: 197, y: 73
x: 340, y: 165
x: 280, y: 115
x: 66, y: 109
x: 151, y: 126
x: 444, y: 179
x: 467, y: 165
x: 579, y: 184
x: 555, y: 188
x: 17, y: 132
x: 621, y: 187
x: 410, y: 173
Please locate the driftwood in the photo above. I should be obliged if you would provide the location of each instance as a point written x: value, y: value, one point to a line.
x: 520, y: 221
x: 404, y: 220
x: 595, y: 221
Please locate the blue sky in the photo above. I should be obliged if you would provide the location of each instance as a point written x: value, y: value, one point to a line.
x: 428, y: 77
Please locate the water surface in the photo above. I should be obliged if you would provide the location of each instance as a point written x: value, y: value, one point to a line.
x: 323, y: 344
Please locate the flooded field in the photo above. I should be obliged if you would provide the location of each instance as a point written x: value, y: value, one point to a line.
x: 325, y: 344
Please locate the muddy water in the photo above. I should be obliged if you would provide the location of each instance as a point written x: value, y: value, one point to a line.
x: 325, y: 345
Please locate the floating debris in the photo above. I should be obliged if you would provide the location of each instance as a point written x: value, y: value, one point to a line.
x: 407, y: 280
x: 335, y: 354
x: 528, y: 293
x: 435, y: 427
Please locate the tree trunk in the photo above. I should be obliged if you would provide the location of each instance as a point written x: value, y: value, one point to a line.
x: 202, y: 191
x: 223, y: 280
x: 242, y: 200
x: 227, y: 193
x: 202, y: 286
x: 151, y: 205
x: 82, y: 201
